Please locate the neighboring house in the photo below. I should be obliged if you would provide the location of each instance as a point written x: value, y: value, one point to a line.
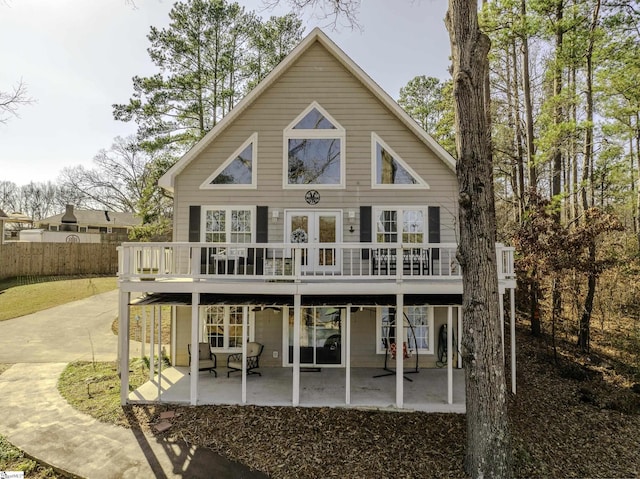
x: 16, y: 220
x: 84, y: 226
x: 303, y: 221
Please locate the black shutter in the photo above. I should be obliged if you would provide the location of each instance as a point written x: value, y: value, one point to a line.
x: 194, y: 224
x: 434, y: 229
x: 365, y: 228
x: 262, y: 224
x: 262, y: 236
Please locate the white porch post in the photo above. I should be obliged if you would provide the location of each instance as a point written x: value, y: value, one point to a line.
x: 174, y: 333
x: 501, y: 305
x: 297, y: 301
x: 400, y: 337
x: 347, y: 386
x: 195, y: 337
x: 245, y: 327
x: 152, y: 343
x: 449, y: 354
x: 123, y: 345
x: 512, y: 305
x: 459, y: 315
x: 143, y: 348
x: 160, y: 353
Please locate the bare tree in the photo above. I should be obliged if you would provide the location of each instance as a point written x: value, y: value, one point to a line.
x: 11, y: 100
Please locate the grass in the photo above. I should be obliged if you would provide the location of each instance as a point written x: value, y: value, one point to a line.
x: 18, y: 299
x: 13, y: 459
x: 94, y: 388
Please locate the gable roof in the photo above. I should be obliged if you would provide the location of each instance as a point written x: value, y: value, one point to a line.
x: 168, y: 179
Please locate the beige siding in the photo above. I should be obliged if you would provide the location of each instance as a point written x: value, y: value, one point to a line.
x: 183, y: 334
x: 318, y: 76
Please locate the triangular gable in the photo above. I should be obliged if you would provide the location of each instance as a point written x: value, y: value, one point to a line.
x: 389, y: 170
x: 316, y: 35
x: 237, y: 171
x: 314, y: 117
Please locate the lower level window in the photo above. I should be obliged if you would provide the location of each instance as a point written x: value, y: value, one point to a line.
x: 417, y: 322
x: 223, y: 326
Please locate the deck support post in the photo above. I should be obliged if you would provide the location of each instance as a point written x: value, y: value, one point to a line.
x: 297, y: 301
x: 459, y: 335
x: 159, y: 353
x: 501, y: 305
x: 123, y: 345
x: 245, y: 327
x: 152, y: 342
x: 512, y: 306
x: 400, y: 339
x: 195, y: 359
x: 347, y: 386
x: 143, y: 348
x: 449, y: 354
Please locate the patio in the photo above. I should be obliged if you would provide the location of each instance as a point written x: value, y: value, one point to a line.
x: 426, y: 392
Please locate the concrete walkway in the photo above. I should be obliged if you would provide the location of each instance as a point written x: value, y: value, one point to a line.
x: 35, y: 418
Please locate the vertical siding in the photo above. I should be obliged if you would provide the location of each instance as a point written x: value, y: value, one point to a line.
x: 318, y: 76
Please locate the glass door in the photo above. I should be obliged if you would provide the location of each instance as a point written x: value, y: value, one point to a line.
x: 320, y: 336
x: 316, y: 228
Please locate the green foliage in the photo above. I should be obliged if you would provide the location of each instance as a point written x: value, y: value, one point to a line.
x: 211, y: 53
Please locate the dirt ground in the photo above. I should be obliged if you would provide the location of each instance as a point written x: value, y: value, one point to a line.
x: 572, y: 417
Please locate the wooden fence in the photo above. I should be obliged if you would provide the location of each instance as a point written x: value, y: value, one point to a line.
x: 52, y: 259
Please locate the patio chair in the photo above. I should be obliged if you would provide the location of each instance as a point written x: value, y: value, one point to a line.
x: 234, y: 361
x: 207, y: 361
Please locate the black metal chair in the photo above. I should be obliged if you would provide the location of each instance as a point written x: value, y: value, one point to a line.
x: 234, y: 361
x: 207, y: 361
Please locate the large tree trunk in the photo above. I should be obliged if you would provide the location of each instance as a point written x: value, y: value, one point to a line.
x: 528, y: 108
x: 488, y: 451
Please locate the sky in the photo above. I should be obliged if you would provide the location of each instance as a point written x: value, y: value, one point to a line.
x: 77, y: 58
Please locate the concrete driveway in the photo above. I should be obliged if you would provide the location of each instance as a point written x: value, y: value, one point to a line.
x: 73, y: 331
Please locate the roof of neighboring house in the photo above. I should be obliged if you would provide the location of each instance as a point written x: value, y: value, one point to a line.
x: 14, y: 217
x: 96, y: 218
x: 316, y: 35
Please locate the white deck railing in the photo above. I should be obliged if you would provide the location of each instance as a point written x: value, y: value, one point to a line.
x: 294, y: 262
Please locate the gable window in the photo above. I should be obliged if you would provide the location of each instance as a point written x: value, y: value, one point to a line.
x: 418, y: 329
x: 237, y: 171
x: 223, y: 327
x: 388, y: 170
x: 400, y: 225
x: 314, y: 150
x: 228, y: 224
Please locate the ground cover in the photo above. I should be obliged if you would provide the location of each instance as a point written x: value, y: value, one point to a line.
x: 18, y: 299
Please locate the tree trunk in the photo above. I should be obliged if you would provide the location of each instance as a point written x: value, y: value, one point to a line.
x: 584, y: 332
x: 528, y: 108
x: 488, y: 452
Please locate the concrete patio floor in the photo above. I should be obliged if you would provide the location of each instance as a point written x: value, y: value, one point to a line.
x: 426, y: 392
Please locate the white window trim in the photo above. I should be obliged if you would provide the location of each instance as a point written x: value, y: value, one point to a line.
x: 253, y: 139
x: 329, y: 134
x: 227, y: 310
x: 228, y: 209
x: 430, y: 340
x: 400, y: 209
x: 375, y: 139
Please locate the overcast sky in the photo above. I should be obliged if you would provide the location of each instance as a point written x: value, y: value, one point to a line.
x: 77, y: 58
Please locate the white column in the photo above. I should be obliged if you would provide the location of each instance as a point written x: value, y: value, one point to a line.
x: 297, y: 301
x: 195, y: 338
x: 174, y: 338
x: 347, y: 351
x: 459, y: 335
x: 245, y: 327
x: 501, y: 305
x: 123, y: 345
x: 160, y: 353
x: 400, y: 338
x: 143, y: 349
x: 152, y: 343
x: 512, y: 305
x: 449, y: 354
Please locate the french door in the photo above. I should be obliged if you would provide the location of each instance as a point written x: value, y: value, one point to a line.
x: 316, y: 228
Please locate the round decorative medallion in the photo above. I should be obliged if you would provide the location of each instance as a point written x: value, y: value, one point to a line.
x: 312, y: 197
x: 299, y: 236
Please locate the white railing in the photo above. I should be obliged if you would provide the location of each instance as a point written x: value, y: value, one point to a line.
x: 304, y: 262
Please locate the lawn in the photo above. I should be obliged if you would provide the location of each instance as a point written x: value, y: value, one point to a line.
x: 19, y: 299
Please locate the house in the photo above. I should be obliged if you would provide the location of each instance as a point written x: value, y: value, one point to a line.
x: 83, y: 226
x: 16, y: 220
x: 304, y: 221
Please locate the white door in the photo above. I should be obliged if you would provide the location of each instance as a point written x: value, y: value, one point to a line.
x: 316, y: 228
